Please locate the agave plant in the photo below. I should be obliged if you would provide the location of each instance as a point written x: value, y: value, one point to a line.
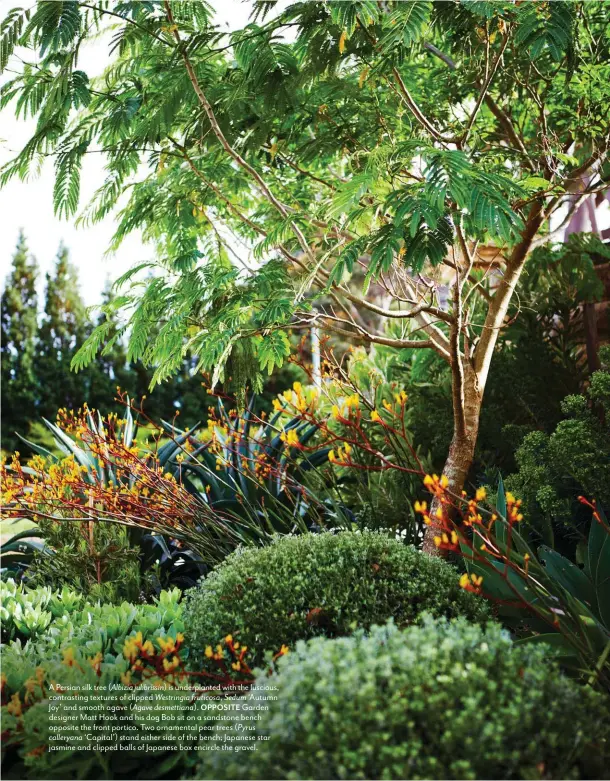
x: 164, y: 561
x: 255, y: 470
x: 541, y: 594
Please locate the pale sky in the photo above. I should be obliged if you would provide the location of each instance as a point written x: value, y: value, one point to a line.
x: 29, y: 205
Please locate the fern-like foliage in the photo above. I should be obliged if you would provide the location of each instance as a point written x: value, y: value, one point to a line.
x: 365, y: 120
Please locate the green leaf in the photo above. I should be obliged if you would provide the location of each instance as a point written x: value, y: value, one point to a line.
x: 546, y: 27
x: 555, y: 640
x: 597, y: 564
x: 501, y: 524
x: 568, y: 575
x: 273, y: 349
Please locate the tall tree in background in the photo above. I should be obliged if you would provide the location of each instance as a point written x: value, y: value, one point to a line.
x: 62, y: 332
x: 37, y: 348
x: 18, y: 316
x: 110, y: 369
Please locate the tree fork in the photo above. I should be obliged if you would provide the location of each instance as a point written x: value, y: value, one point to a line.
x: 469, y: 376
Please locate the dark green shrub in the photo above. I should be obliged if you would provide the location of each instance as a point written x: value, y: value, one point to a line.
x: 328, y: 584
x: 440, y: 700
x: 574, y: 460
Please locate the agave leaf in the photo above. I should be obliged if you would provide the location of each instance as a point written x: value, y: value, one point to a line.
x: 71, y: 448
x: 42, y: 451
x: 568, y: 575
x: 206, y: 477
x: 22, y: 546
x: 562, y: 648
x: 129, y: 429
x: 34, y: 531
x: 501, y: 524
x: 170, y: 450
x: 597, y: 565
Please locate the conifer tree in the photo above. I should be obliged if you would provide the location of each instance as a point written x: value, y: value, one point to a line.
x: 110, y: 369
x: 62, y: 332
x: 18, y: 317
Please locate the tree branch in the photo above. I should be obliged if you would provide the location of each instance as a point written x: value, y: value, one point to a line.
x: 501, y: 299
x: 216, y: 129
x: 366, y: 336
x: 484, y: 89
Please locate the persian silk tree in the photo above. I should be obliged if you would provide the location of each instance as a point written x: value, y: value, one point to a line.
x: 423, y: 146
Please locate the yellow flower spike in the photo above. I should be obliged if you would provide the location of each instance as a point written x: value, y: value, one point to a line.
x: 347, y: 448
x: 14, y: 706
x: 464, y: 583
x: 444, y: 481
x: 454, y: 538
x: 209, y: 652
x: 179, y: 637
x: 428, y: 481
x: 375, y: 416
x: 480, y: 495
x: 95, y: 661
x: 30, y: 685
x: 169, y: 665
x: 437, y: 541
x: 291, y: 438
x: 68, y: 659
x: 420, y: 507
x: 148, y: 648
x: 287, y: 396
x: 229, y: 639
x: 284, y: 650
x: 277, y: 406
x: 236, y: 666
x: 439, y: 513
x: 297, y: 387
x: 335, y: 412
x: 510, y: 498
x: 331, y: 456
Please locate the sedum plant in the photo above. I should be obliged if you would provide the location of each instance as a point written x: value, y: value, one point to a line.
x: 59, y: 642
x: 324, y: 584
x: 439, y: 700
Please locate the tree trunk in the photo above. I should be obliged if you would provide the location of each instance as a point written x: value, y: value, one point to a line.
x: 461, y: 451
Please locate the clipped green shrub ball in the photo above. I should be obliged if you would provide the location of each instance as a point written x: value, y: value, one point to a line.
x: 434, y: 701
x: 320, y: 584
